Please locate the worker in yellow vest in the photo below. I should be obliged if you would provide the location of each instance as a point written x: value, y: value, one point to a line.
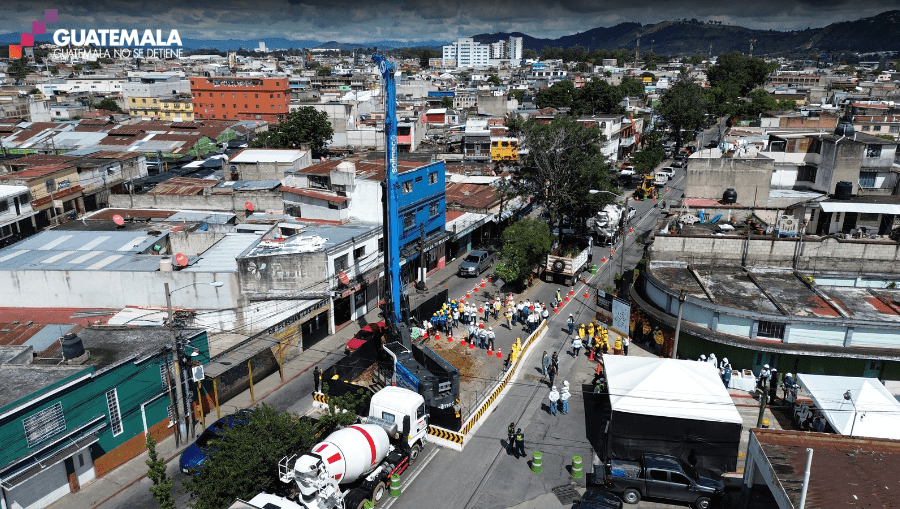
x: 590, y: 329
x: 618, y: 345
x: 581, y: 331
x: 658, y: 339
x: 645, y: 329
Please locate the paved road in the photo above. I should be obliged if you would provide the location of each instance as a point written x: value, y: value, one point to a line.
x: 479, y: 477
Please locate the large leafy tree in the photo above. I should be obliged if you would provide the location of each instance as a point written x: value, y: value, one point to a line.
x: 305, y: 125
x: 108, y: 104
x: 559, y: 95
x: 743, y: 73
x: 244, y: 461
x: 683, y: 107
x: 563, y: 163
x: 524, y: 244
x: 597, y: 96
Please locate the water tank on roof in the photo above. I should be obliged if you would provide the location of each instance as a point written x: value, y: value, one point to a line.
x: 729, y: 196
x: 843, y: 190
x: 72, y: 347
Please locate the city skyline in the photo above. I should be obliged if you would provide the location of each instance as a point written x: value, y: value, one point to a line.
x: 413, y: 21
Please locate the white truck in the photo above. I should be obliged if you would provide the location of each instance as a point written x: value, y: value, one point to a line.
x: 608, y: 225
x: 359, y: 458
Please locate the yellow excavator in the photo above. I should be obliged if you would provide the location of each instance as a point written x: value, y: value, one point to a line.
x: 646, y: 189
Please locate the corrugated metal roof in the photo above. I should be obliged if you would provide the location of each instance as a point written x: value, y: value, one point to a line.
x: 200, y: 215
x: 249, y: 155
x: 222, y: 256
x: 74, y: 250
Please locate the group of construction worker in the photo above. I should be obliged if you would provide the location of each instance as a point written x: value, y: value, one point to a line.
x: 596, y: 337
x: 643, y: 330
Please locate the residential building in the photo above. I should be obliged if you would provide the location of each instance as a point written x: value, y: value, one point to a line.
x: 878, y: 125
x: 230, y: 98
x: 154, y: 85
x: 504, y: 150
x: 266, y: 164
x: 477, y: 140
x: 54, y: 189
x: 467, y: 53
x: 73, y: 413
x: 173, y: 108
x: 15, y: 214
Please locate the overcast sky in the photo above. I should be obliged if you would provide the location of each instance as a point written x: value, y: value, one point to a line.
x: 417, y: 20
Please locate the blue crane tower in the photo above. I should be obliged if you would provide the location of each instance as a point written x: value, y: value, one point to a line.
x: 414, y: 367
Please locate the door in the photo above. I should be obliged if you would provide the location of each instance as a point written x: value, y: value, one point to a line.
x: 823, y: 223
x: 850, y: 219
x: 887, y: 221
x: 657, y: 483
x: 873, y: 369
x: 680, y: 487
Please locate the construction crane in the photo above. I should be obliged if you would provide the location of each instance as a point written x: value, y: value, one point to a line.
x: 403, y: 364
x: 752, y: 42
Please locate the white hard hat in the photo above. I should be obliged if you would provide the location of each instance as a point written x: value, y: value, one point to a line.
x: 490, y: 328
x: 725, y: 360
x: 789, y: 374
x: 553, y: 388
x: 565, y: 383
x: 766, y: 366
x: 703, y: 356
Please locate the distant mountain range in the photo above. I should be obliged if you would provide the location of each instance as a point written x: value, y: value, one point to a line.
x: 681, y: 37
x: 867, y: 35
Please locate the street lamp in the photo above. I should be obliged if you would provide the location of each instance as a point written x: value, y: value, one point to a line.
x: 181, y: 430
x: 596, y: 191
x: 681, y: 298
x: 849, y: 397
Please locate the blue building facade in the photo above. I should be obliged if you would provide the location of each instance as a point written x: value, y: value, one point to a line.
x: 423, y: 210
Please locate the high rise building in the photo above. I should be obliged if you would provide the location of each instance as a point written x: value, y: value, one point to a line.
x: 514, y: 49
x: 467, y: 53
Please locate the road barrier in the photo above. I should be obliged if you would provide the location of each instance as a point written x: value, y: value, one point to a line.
x: 576, y: 467
x: 537, y: 462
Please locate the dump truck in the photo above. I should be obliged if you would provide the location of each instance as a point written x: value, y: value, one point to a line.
x: 566, y: 261
x: 353, y: 465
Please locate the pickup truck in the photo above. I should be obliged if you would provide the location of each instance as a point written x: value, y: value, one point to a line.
x: 662, y: 476
x: 476, y: 262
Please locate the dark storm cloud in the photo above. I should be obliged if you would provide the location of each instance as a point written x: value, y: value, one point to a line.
x: 416, y: 20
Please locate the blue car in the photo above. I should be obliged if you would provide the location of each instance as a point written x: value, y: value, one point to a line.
x: 193, y: 457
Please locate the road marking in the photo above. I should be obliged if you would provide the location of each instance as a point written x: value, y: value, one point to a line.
x: 415, y: 474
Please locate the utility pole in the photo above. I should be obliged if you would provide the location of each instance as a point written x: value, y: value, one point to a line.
x: 180, y: 430
x: 752, y: 42
x: 678, y: 326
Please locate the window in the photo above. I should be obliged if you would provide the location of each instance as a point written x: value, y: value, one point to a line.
x: 658, y: 475
x: 359, y: 252
x: 418, y: 179
x: 4, y: 205
x: 81, y: 460
x: 389, y: 417
x: 381, y: 245
x: 876, y: 127
x: 806, y: 174
x: 256, y: 96
x: 420, y: 412
x: 145, y: 101
x: 407, y: 186
x: 271, y: 96
x: 162, y: 375
x: 873, y: 150
x: 433, y: 209
x: 44, y: 424
x: 409, y: 220
x: 51, y: 185
x: 432, y: 177
x: 232, y: 95
x: 223, y: 105
x: 171, y: 411
x: 341, y: 263
x: 770, y: 330
x: 679, y: 478
x: 894, y: 128
x: 867, y: 178
x: 115, y: 418
x: 257, y: 106
x: 245, y: 106
x: 245, y: 96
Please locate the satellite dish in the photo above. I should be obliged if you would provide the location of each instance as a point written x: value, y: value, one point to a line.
x: 119, y: 220
x: 181, y: 260
x: 248, y: 206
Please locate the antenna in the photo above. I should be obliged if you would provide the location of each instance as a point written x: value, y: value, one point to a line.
x: 752, y: 42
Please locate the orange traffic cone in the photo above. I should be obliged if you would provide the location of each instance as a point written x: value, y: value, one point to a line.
x: 567, y: 295
x: 555, y: 309
x: 482, y: 282
x: 631, y: 230
x: 572, y: 291
x: 476, y: 288
x: 604, y: 261
x: 463, y: 341
x: 471, y: 346
x: 450, y: 337
x: 480, y: 309
x: 490, y: 353
x: 599, y: 369
x: 499, y: 353
x: 437, y: 335
x: 585, y: 293
x: 667, y: 189
x: 612, y: 251
x: 425, y: 334
x: 591, y: 357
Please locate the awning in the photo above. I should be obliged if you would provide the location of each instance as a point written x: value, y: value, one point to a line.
x: 19, y: 477
x: 467, y: 223
x: 863, y: 208
x: 871, y: 411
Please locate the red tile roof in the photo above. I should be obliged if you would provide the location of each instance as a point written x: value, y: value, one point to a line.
x: 479, y: 196
x: 18, y: 325
x: 314, y: 194
x: 182, y: 186
x: 453, y: 214
x: 36, y: 172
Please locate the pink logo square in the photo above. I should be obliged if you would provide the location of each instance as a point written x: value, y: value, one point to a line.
x: 15, y: 51
x: 27, y: 39
x: 50, y: 15
x: 38, y: 27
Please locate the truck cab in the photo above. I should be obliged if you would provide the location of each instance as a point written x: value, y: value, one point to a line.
x: 393, y: 404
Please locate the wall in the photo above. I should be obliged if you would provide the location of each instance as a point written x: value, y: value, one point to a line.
x: 840, y: 161
x: 232, y: 202
x: 284, y: 275
x: 365, y: 203
x: 193, y: 243
x: 495, y: 105
x: 710, y: 177
x: 816, y: 253
x: 60, y: 288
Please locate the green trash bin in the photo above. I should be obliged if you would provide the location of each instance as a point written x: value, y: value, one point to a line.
x: 576, y: 467
x: 537, y: 462
x: 395, y: 486
x: 594, y: 268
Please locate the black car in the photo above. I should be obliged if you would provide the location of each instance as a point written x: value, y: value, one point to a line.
x: 599, y: 498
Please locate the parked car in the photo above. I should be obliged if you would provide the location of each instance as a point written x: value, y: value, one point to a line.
x: 665, y: 477
x: 679, y: 163
x: 627, y: 171
x: 193, y: 458
x: 668, y: 170
x: 476, y: 262
x: 598, y: 498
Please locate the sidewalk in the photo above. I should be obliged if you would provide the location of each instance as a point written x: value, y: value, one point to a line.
x: 103, y: 489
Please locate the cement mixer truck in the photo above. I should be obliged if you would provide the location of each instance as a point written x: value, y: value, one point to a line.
x: 353, y: 465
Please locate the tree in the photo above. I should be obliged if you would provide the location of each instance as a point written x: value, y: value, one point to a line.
x: 446, y: 102
x: 742, y: 72
x: 494, y: 79
x: 305, y: 125
x: 108, y: 104
x: 597, y: 96
x: 518, y: 94
x: 162, y: 483
x: 18, y: 68
x: 682, y: 107
x: 324, y: 71
x: 563, y: 163
x: 529, y: 54
x: 244, y: 460
x: 523, y: 245
x: 559, y: 95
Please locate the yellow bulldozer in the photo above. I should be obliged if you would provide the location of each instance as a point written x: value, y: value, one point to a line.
x: 646, y: 189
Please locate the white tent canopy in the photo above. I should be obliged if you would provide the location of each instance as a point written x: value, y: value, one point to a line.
x: 876, y: 412
x: 668, y: 388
